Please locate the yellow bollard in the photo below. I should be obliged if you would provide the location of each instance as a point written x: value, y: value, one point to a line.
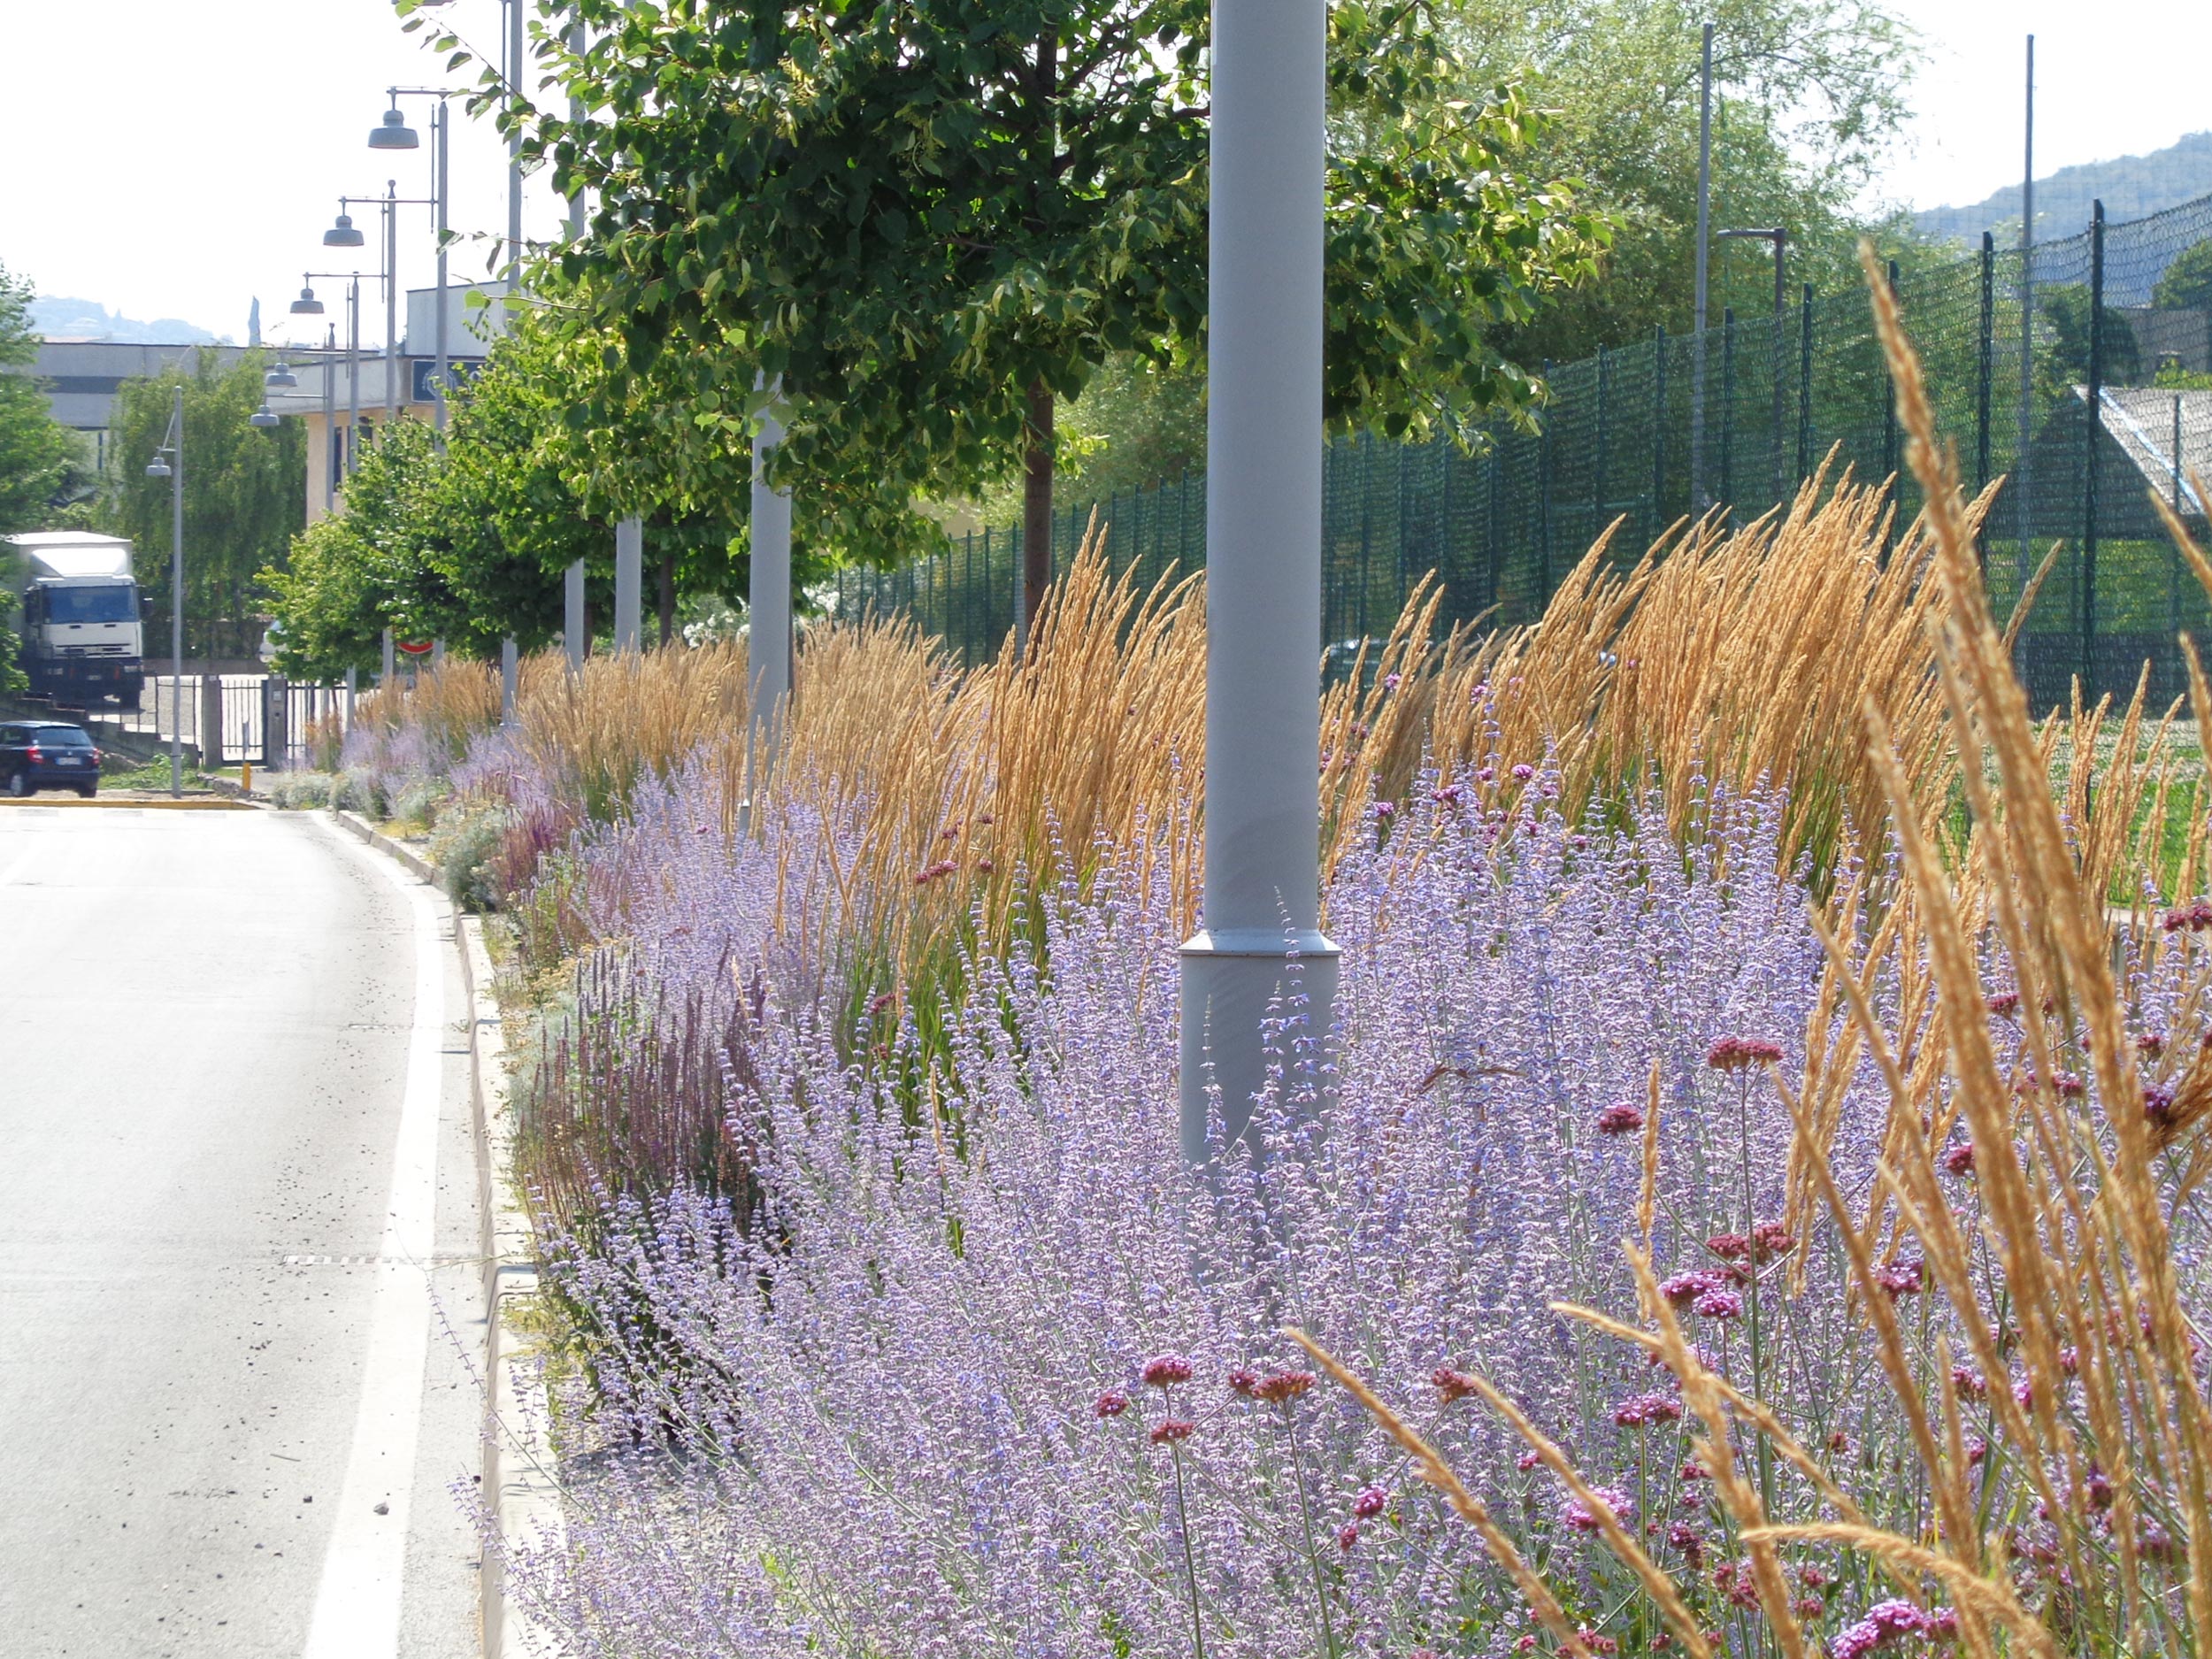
x: 245, y: 775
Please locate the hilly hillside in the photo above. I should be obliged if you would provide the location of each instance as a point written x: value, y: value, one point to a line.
x: 61, y: 317
x: 2132, y: 187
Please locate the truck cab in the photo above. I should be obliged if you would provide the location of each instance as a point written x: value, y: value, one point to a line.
x: 81, y: 615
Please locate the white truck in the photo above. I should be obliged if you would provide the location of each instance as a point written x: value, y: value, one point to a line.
x: 80, y: 616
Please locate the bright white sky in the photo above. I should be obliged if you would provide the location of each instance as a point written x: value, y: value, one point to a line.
x: 173, y: 159
x: 2114, y: 78
x: 177, y: 160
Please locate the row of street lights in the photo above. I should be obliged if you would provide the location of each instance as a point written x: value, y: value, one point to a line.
x: 392, y: 133
x: 1263, y: 538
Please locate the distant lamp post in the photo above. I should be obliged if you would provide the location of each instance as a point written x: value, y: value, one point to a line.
x: 280, y: 379
x: 307, y: 304
x: 1781, y: 238
x: 393, y: 133
x: 264, y: 415
x: 168, y: 463
x: 344, y: 235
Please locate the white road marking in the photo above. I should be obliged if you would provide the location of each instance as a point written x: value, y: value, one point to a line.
x: 357, y: 1602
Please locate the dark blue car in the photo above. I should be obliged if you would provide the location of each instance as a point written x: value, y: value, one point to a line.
x: 37, y: 754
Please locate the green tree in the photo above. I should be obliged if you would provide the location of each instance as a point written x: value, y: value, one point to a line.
x: 935, y: 218
x: 469, y: 541
x: 2186, y: 284
x: 37, y: 453
x: 245, y: 493
x: 1811, y: 97
x: 2065, y: 359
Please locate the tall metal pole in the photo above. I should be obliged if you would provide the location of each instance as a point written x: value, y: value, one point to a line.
x: 1263, y: 803
x: 1781, y: 316
x: 507, y: 647
x: 176, y: 598
x: 1699, y: 501
x: 629, y: 580
x: 573, y: 638
x: 2023, y: 488
x: 768, y: 656
x: 391, y: 307
x: 353, y: 378
x: 514, y: 148
x: 330, y: 421
x: 442, y: 132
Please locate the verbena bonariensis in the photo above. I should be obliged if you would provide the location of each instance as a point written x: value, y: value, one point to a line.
x: 908, y: 1411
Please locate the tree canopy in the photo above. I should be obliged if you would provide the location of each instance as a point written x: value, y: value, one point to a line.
x: 1810, y: 96
x: 469, y: 541
x: 37, y: 453
x: 2186, y: 284
x: 245, y: 490
x: 929, y: 220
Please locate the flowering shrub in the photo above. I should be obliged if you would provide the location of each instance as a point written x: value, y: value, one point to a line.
x: 1002, y: 1374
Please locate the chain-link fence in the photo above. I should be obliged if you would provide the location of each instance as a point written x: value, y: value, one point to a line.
x: 2111, y: 399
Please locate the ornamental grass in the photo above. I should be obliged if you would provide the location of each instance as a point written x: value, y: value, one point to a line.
x: 2025, y: 1268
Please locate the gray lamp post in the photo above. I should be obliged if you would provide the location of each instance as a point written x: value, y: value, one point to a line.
x: 768, y: 650
x: 168, y: 463
x: 393, y: 133
x: 344, y: 233
x: 1262, y: 800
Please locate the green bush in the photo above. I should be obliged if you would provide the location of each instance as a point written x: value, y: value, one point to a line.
x: 300, y: 791
x: 463, y: 846
x: 417, y: 803
x: 357, y: 791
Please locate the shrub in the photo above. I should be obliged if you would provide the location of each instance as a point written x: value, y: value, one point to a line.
x: 465, y: 846
x: 299, y: 791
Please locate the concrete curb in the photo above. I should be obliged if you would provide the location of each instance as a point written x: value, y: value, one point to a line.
x: 413, y: 862
x: 519, y: 1485
x: 151, y: 803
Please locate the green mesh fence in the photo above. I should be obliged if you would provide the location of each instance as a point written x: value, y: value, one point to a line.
x: 2116, y: 404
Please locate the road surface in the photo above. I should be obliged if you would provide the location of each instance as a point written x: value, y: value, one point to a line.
x: 239, y: 1313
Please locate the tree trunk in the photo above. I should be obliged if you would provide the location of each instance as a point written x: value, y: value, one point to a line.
x: 1036, y: 506
x: 668, y: 598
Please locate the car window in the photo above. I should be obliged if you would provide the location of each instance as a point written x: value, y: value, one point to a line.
x: 60, y: 737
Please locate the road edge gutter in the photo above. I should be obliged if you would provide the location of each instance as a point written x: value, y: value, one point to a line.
x: 518, y: 1487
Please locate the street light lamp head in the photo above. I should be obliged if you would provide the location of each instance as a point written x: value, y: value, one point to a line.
x: 281, y: 378
x: 157, y: 468
x: 307, y: 304
x: 264, y: 415
x: 343, y: 234
x: 394, y: 133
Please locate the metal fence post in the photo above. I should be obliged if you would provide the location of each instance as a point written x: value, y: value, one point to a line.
x: 1805, y: 383
x: 1658, y: 432
x: 1889, y: 432
x: 275, y: 738
x: 1597, y: 487
x: 1727, y: 497
x: 1543, y: 506
x: 1983, y: 362
x: 212, y: 751
x: 2095, y: 433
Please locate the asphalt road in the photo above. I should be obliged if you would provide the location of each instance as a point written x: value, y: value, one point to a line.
x: 239, y: 1305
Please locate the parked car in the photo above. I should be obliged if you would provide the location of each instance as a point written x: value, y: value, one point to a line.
x: 39, y: 754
